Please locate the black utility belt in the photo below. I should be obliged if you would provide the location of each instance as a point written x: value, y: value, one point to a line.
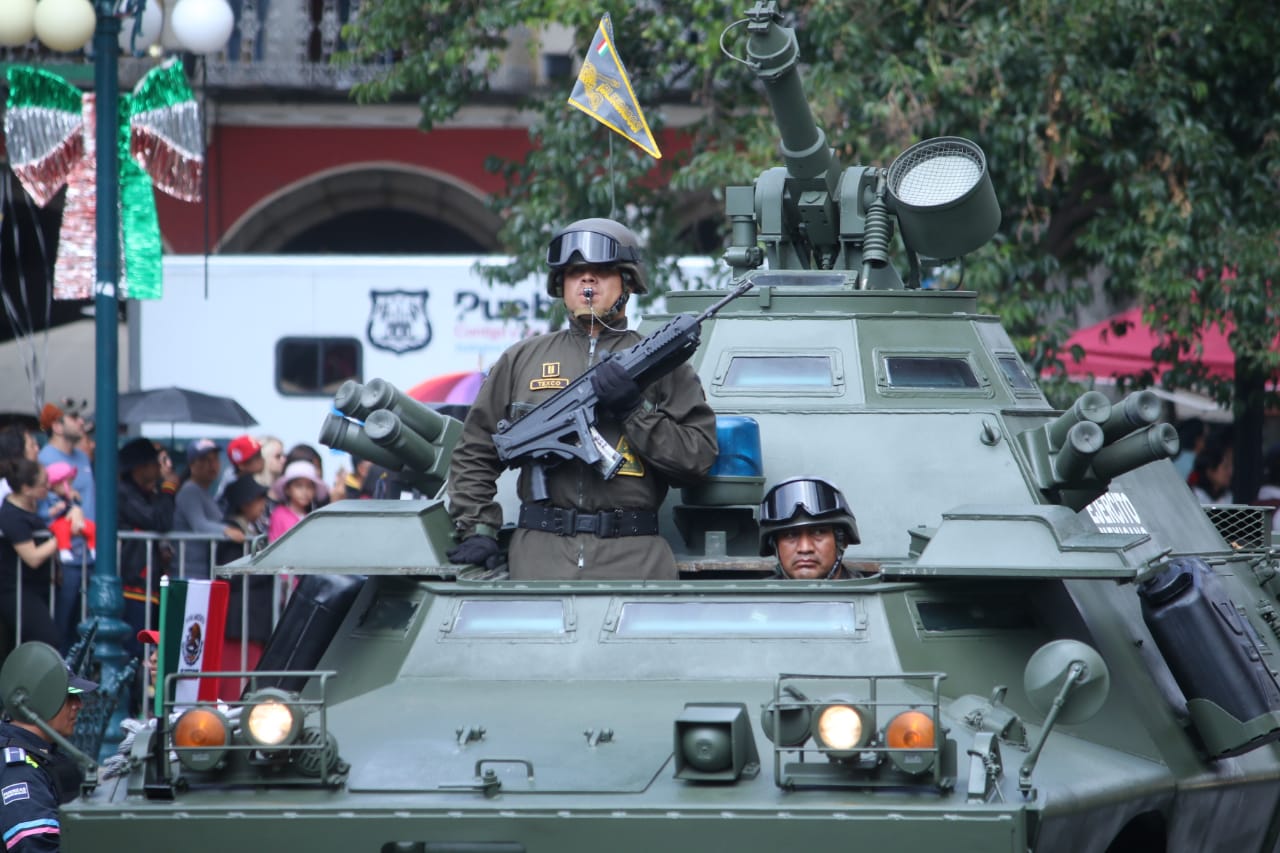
x: 607, y: 524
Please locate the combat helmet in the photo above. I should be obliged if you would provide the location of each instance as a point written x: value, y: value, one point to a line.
x: 595, y: 241
x: 804, y: 502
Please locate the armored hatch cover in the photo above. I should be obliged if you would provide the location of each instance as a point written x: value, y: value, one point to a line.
x: 998, y: 540
x: 360, y: 537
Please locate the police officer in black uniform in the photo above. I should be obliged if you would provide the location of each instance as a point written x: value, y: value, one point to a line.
x: 36, y: 777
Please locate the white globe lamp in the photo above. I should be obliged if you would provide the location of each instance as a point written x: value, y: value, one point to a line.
x: 203, y: 26
x: 168, y: 38
x: 65, y: 25
x: 152, y: 23
x: 17, y: 22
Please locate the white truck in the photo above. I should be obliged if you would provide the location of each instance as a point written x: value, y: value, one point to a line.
x: 281, y: 334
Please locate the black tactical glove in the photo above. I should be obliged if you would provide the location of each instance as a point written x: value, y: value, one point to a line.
x: 619, y: 394
x: 477, y: 550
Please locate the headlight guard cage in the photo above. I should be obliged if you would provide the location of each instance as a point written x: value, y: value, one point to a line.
x: 313, y: 751
x: 883, y: 697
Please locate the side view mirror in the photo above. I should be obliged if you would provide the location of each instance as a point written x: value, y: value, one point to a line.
x: 1067, y: 681
x: 33, y: 683
x: 1052, y: 666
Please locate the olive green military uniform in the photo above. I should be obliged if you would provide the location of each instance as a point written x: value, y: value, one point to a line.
x: 669, y: 439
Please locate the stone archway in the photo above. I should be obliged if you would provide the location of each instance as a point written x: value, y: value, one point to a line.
x: 337, y: 193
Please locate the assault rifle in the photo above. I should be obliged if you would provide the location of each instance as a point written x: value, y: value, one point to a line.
x: 564, y: 427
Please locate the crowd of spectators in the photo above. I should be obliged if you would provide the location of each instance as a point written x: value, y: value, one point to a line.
x: 222, y: 501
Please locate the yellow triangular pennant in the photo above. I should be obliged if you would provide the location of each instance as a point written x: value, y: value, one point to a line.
x: 603, y: 92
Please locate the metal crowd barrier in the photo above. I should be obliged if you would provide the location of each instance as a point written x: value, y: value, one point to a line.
x: 180, y: 542
x: 40, y: 537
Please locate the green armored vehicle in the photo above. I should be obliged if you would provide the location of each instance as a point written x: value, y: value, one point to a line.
x: 1050, y: 646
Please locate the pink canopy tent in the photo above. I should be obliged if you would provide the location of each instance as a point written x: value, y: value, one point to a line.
x: 1122, y: 345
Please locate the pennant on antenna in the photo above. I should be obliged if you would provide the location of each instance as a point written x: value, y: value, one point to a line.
x: 604, y: 92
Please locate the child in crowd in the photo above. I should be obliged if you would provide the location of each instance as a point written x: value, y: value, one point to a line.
x: 298, y: 490
x: 65, y: 518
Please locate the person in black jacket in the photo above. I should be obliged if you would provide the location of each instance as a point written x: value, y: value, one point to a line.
x: 24, y: 556
x: 144, y: 501
x: 246, y: 510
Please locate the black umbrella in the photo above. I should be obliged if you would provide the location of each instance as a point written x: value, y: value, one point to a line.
x: 181, y: 406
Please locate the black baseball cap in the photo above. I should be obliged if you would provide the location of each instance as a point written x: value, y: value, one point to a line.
x: 78, y: 684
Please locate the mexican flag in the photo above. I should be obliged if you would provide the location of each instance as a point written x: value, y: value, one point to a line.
x: 193, y: 618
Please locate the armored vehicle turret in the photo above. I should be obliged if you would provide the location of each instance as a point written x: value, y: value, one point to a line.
x: 1047, y: 645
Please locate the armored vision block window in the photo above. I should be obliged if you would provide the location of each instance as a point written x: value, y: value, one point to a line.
x: 1016, y: 373
x: 929, y: 372
x: 722, y: 619
x: 506, y: 618
x: 793, y: 371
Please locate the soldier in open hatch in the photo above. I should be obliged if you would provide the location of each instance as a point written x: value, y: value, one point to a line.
x: 807, y: 522
x: 590, y: 527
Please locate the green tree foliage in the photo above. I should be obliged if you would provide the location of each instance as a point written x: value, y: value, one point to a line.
x: 1136, y: 142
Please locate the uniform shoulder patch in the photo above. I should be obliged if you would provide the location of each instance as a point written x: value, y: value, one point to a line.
x: 13, y: 793
x: 14, y: 755
x: 631, y: 464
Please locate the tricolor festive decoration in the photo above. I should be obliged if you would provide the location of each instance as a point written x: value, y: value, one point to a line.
x: 49, y: 131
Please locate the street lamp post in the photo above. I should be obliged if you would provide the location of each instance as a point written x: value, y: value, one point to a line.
x: 202, y: 26
x: 106, y: 594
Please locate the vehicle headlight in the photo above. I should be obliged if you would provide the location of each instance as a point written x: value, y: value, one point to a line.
x: 271, y: 719
x: 842, y: 728
x: 912, y: 739
x: 201, y: 737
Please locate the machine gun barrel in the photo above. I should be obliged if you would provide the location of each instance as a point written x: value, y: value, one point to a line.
x: 773, y: 53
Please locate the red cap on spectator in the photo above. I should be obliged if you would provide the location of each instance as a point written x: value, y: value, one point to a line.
x: 149, y: 637
x: 243, y: 448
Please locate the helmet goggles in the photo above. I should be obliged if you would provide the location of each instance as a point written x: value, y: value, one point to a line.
x: 591, y: 246
x: 815, y: 498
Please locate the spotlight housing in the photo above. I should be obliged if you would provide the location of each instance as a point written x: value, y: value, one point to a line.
x: 942, y: 194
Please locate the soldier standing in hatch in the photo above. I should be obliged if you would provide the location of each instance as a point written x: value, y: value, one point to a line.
x: 36, y: 778
x: 807, y: 522
x: 591, y: 527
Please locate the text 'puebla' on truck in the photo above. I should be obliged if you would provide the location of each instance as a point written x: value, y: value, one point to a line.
x: 1052, y: 648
